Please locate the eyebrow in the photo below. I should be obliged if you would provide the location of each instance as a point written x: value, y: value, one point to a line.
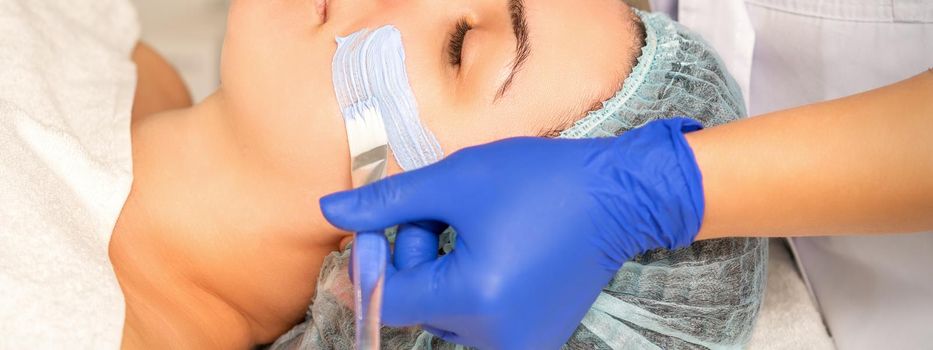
x: 522, y: 46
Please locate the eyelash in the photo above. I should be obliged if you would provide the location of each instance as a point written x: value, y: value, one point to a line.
x: 455, y: 46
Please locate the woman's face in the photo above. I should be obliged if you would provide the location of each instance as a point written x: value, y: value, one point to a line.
x: 523, y: 68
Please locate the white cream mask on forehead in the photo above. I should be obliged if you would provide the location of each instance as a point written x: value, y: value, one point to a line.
x: 372, y: 65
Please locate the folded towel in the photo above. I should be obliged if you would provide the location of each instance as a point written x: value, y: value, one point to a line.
x: 66, y: 94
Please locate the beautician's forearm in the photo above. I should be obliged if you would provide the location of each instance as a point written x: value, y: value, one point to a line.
x: 861, y: 164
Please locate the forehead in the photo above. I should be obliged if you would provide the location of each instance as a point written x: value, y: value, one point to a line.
x: 581, y: 51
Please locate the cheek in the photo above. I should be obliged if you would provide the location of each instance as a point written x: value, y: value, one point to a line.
x: 276, y: 84
x: 461, y: 127
x: 275, y: 62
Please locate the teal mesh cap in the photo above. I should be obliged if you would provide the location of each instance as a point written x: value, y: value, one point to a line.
x: 677, y: 74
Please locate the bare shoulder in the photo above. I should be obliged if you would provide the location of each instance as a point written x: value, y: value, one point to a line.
x: 159, y: 87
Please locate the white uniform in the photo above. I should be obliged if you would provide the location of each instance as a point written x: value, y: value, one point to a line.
x: 874, y: 292
x: 66, y: 94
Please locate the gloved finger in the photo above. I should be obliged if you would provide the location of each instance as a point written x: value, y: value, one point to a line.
x: 417, y: 243
x: 416, y: 296
x: 406, y: 197
x: 370, y: 249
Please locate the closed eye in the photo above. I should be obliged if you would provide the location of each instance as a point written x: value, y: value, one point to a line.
x: 455, y: 45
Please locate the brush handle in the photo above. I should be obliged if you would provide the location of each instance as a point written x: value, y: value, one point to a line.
x: 369, y: 258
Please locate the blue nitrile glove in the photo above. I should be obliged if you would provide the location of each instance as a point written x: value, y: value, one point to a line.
x: 542, y: 224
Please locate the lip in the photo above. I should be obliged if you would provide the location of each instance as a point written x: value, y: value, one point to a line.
x: 321, y: 7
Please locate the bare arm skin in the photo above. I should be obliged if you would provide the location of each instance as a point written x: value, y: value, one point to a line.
x: 857, y: 165
x: 158, y: 86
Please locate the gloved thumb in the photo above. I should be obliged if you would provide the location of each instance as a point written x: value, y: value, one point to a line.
x: 406, y: 197
x: 416, y: 296
x: 416, y: 243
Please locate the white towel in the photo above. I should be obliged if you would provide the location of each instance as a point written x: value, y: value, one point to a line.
x: 66, y: 94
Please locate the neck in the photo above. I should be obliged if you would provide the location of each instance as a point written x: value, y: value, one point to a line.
x: 219, y: 244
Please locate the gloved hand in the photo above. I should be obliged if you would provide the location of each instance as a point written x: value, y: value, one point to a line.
x: 542, y: 225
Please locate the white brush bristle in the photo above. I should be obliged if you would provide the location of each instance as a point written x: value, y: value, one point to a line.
x: 365, y: 127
